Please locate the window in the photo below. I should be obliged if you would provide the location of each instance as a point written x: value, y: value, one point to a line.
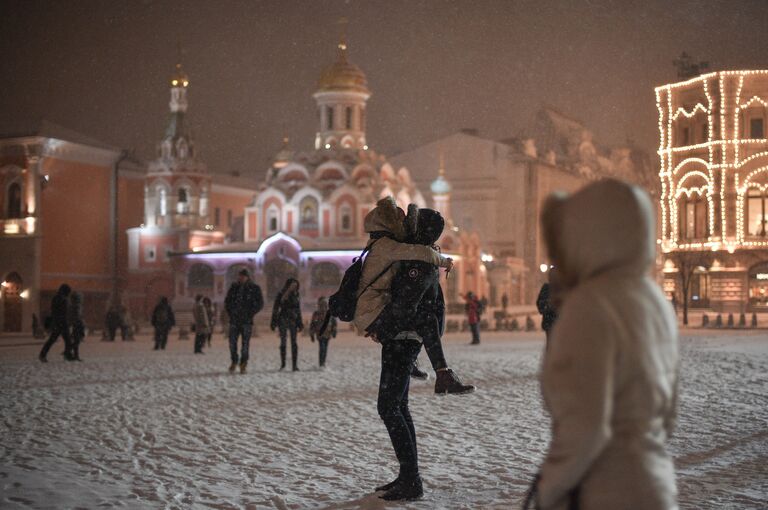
x: 182, y: 202
x: 14, y: 200
x: 329, y: 115
x: 229, y: 217
x: 162, y: 201
x: 685, y: 136
x: 217, y: 216
x: 326, y: 274
x: 346, y: 218
x: 756, y: 128
x: 757, y: 203
x: 348, y: 120
x: 693, y: 217
x: 308, y: 213
x: 273, y: 224
x: 150, y: 254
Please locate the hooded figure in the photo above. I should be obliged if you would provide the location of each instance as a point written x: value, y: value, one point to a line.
x: 609, y: 378
x: 385, y: 223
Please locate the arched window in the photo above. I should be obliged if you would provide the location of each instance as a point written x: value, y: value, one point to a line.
x: 162, y: 201
x: 200, y: 277
x: 273, y: 220
x: 326, y: 274
x: 348, y: 117
x: 204, y: 202
x: 346, y: 218
x: 182, y: 201
x: 308, y: 213
x: 757, y: 209
x: 692, y: 217
x: 14, y: 200
x: 329, y: 116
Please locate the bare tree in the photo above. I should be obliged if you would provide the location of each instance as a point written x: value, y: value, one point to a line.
x: 687, y: 262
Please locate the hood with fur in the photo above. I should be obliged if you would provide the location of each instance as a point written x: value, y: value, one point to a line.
x: 386, y: 217
x: 608, y: 225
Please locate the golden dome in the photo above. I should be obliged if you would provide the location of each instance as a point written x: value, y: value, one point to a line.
x: 343, y: 75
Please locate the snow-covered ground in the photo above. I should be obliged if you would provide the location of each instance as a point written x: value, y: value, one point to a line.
x: 134, y: 428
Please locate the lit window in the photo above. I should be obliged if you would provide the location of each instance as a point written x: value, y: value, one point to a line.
x: 308, y: 216
x: 757, y: 207
x: 346, y: 218
x: 182, y: 202
x: 693, y: 217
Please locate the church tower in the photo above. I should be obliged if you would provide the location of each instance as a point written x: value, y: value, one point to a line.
x: 441, y: 193
x: 177, y: 187
x: 341, y: 98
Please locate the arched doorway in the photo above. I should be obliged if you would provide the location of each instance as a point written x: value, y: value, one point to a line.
x: 277, y: 271
x: 12, y: 302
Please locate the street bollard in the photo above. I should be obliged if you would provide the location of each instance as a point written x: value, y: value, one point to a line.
x: 754, y: 320
x: 705, y: 321
x: 742, y: 320
x: 730, y: 320
x: 719, y: 321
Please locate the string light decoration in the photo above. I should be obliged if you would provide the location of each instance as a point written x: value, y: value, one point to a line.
x: 714, y: 167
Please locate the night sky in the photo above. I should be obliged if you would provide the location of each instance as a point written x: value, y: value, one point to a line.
x: 434, y: 67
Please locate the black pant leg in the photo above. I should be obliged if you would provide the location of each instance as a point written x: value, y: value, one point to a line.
x: 433, y: 345
x: 397, y: 358
x: 294, y: 346
x: 56, y: 330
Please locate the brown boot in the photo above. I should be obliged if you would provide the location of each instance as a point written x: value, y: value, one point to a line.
x: 232, y: 368
x: 243, y: 364
x: 447, y: 382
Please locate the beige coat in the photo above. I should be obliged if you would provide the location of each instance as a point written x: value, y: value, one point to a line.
x: 609, y: 378
x: 200, y: 314
x: 381, y: 260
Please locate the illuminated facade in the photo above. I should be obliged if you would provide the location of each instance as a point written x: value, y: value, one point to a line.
x: 714, y: 177
x: 306, y: 221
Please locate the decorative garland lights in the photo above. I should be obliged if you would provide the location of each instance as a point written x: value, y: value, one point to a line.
x: 676, y: 159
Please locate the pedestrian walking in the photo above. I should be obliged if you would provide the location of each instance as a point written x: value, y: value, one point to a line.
x: 610, y: 376
x: 59, y: 325
x: 112, y: 321
x: 76, y: 324
x: 163, y: 320
x: 323, y: 337
x: 202, y: 324
x: 473, y: 310
x: 286, y: 318
x: 504, y: 303
x: 243, y: 301
x: 209, y: 309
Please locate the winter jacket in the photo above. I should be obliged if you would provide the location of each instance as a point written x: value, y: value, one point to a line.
x: 544, y: 305
x: 162, y: 317
x: 75, y: 309
x: 287, y: 312
x: 200, y: 315
x: 59, y: 307
x: 318, y: 317
x: 609, y: 377
x: 472, y: 307
x: 378, y: 270
x: 243, y: 301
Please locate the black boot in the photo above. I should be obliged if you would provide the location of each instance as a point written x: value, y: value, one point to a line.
x: 282, y: 358
x: 405, y: 490
x: 387, y: 486
x: 448, y: 382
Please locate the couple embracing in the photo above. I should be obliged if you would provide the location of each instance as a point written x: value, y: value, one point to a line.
x: 400, y: 305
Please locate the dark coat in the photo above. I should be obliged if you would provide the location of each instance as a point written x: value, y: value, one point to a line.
x: 243, y: 301
x: 417, y: 302
x: 59, y: 309
x: 547, y: 311
x: 287, y: 312
x: 162, y: 317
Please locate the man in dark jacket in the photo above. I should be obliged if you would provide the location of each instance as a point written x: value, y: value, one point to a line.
x: 59, y: 325
x: 415, y: 313
x: 163, y: 320
x: 546, y: 305
x: 243, y: 301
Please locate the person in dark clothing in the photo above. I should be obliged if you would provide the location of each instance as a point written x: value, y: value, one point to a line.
x: 286, y: 318
x: 504, y: 303
x: 112, y: 322
x: 473, y: 308
x: 202, y: 326
x: 416, y: 312
x: 209, y: 309
x: 75, y: 320
x: 162, y: 320
x: 546, y: 306
x: 59, y: 326
x: 243, y: 301
x: 315, y: 326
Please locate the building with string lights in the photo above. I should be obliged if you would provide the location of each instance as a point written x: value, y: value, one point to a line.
x: 714, y: 188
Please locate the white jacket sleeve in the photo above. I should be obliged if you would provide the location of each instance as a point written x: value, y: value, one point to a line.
x: 578, y: 385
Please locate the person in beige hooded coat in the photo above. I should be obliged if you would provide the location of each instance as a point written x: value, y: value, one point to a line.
x: 609, y: 378
x: 386, y: 224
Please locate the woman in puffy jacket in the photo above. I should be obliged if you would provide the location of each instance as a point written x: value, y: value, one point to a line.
x: 609, y: 377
